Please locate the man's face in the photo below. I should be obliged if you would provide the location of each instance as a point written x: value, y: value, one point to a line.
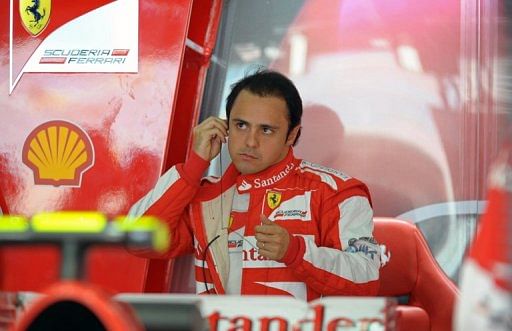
x: 258, y: 128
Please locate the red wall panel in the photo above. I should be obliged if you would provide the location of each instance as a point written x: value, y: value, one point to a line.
x: 125, y: 115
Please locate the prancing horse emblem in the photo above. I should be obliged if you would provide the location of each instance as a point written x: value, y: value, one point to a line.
x: 35, y: 15
x: 273, y: 199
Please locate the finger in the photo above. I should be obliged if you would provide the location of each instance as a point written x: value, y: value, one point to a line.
x: 220, y: 124
x: 218, y: 131
x: 264, y: 220
x: 217, y: 138
x: 215, y: 133
x: 207, y: 122
x: 263, y: 237
x: 265, y: 246
x: 266, y: 229
x: 260, y: 244
x: 265, y: 253
x: 268, y: 252
x: 214, y: 119
x: 271, y: 247
x: 213, y: 122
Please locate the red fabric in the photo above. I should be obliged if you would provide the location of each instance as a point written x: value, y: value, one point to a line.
x: 3, y: 205
x: 293, y: 250
x: 491, y: 246
x: 412, y: 318
x: 413, y: 271
x: 194, y: 168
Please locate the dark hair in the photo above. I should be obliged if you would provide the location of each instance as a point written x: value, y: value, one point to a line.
x: 267, y: 83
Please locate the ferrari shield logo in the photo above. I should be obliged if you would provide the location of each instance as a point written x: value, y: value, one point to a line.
x: 35, y: 15
x: 273, y: 199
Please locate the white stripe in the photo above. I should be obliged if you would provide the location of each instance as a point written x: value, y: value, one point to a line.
x: 337, y: 173
x: 453, y: 249
x: 481, y: 305
x: 212, y: 179
x: 467, y: 207
x: 356, y: 222
x: 356, y: 267
x: 324, y: 178
x: 195, y: 46
x: 199, y: 263
x: 11, y: 38
x: 240, y: 202
x: 201, y: 288
x: 356, y: 219
x: 10, y: 46
x: 501, y: 176
x: 297, y: 289
x: 162, y: 185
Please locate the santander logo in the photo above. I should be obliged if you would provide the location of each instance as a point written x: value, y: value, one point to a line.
x: 259, y: 182
x: 252, y: 255
x: 244, y: 186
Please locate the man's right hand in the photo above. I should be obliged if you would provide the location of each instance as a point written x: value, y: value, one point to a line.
x: 209, y: 136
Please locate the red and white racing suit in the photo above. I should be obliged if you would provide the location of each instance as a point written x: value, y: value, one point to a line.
x: 327, y: 213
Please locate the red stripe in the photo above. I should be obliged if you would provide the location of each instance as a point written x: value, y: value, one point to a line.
x: 201, y: 274
x: 120, y: 52
x: 3, y: 205
x: 58, y: 60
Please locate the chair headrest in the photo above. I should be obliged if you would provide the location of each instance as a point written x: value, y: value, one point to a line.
x: 398, y: 243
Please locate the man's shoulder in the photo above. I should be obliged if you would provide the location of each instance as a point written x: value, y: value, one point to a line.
x: 333, y: 178
x: 319, y: 170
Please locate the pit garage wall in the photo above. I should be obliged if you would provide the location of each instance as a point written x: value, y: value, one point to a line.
x: 123, y: 114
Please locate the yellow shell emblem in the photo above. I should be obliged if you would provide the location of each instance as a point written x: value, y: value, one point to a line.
x: 35, y: 15
x: 58, y: 152
x: 273, y: 199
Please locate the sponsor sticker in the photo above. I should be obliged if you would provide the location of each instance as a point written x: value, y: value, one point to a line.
x: 58, y: 152
x: 90, y: 37
x: 288, y: 205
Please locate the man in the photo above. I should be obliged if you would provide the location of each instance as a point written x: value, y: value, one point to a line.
x: 272, y: 224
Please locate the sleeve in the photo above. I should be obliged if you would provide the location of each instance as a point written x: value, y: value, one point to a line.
x: 347, y: 261
x: 169, y: 201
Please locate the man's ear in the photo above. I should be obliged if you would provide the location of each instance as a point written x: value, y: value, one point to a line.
x: 292, y: 135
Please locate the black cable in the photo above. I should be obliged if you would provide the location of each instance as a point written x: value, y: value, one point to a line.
x: 206, y: 250
x: 204, y: 261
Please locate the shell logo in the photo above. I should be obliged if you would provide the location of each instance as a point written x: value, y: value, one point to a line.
x: 58, y: 152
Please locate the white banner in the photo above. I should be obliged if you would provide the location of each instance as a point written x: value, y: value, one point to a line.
x: 105, y: 39
x: 266, y: 313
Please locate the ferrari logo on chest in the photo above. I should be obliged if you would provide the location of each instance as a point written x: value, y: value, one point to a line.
x: 35, y: 15
x: 273, y: 199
